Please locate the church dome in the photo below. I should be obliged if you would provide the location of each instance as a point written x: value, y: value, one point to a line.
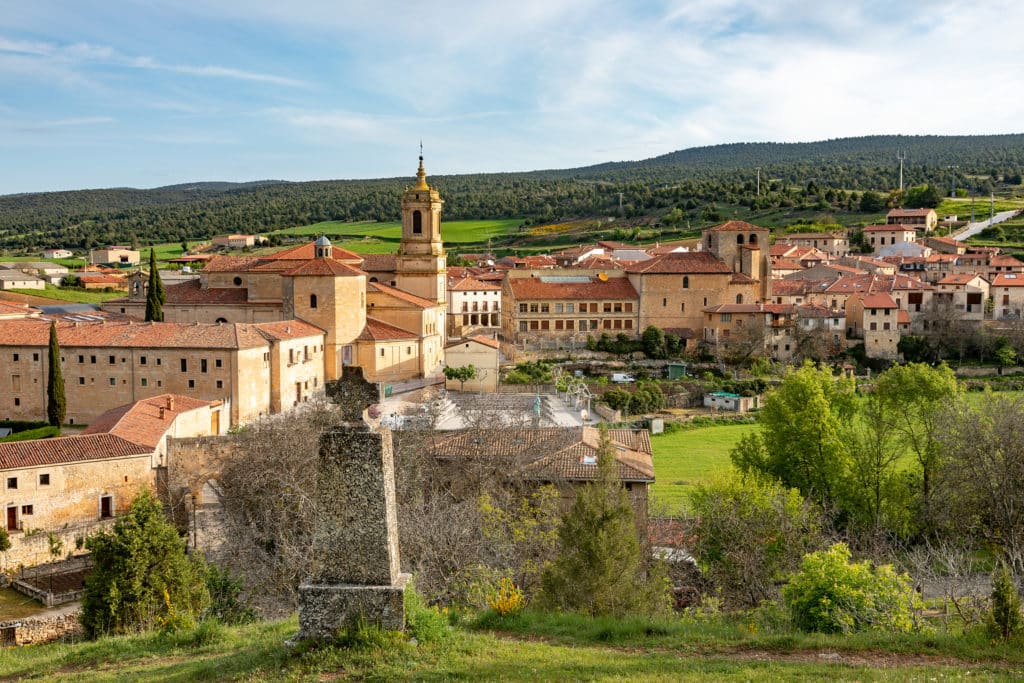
x: 322, y: 241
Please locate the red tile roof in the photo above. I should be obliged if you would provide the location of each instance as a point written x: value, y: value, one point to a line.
x: 900, y: 213
x: 142, y: 422
x: 378, y: 263
x: 1004, y: 280
x: 737, y: 226
x: 890, y: 228
x: 902, y: 317
x: 323, y: 266
x: 192, y: 292
x: 470, y: 284
x: 408, y: 298
x: 958, y: 279
x: 307, y: 251
x: 283, y: 330
x: 1005, y: 260
x: 486, y: 341
x: 693, y: 262
x: 66, y: 449
x: 377, y: 330
x: 878, y: 301
x: 527, y: 288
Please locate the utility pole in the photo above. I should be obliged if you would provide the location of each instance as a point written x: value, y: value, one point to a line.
x: 972, y: 205
x: 901, y: 156
x: 758, y: 181
x: 992, y: 208
x: 620, y: 203
x: 952, y: 189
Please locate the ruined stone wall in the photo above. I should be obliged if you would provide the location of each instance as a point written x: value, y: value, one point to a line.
x: 34, y: 631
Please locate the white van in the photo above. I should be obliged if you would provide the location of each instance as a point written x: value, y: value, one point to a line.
x: 622, y: 378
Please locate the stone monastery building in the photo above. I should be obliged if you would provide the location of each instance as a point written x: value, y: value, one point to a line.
x: 259, y: 333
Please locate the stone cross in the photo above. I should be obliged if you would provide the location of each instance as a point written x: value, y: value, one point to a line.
x: 356, y: 539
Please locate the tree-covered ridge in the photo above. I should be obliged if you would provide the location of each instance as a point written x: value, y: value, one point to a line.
x: 826, y: 175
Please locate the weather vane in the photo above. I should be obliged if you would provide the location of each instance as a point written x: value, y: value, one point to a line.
x: 421, y: 149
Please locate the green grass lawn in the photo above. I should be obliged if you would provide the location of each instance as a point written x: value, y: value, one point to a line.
x: 961, y: 207
x: 77, y: 296
x: 688, y: 457
x: 68, y: 262
x: 528, y: 649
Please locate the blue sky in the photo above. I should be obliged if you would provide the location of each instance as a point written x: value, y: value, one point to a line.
x: 145, y: 93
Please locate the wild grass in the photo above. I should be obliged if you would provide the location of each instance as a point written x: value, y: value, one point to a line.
x: 452, y: 232
x: 77, y: 296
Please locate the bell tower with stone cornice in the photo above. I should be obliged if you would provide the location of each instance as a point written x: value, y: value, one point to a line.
x: 420, y: 266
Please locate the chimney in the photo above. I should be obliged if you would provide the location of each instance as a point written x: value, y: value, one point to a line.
x: 170, y: 403
x: 161, y: 412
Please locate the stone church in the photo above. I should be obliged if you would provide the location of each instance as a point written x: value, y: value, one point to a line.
x: 393, y: 331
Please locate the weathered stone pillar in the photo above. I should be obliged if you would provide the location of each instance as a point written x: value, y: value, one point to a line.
x: 356, y: 542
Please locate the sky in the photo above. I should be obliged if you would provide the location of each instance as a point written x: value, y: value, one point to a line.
x: 144, y: 93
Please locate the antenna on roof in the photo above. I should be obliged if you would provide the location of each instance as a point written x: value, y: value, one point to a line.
x: 901, y: 156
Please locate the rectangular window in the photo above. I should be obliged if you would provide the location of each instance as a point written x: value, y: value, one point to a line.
x: 81, y: 380
x: 570, y: 308
x: 558, y: 308
x: 523, y: 326
x: 16, y: 356
x: 885, y: 326
x: 220, y: 384
x: 534, y: 325
x: 81, y: 358
x: 17, y: 401
x: 92, y: 359
x: 617, y: 324
x: 35, y: 356
x: 113, y: 359
x: 44, y: 479
x: 26, y: 509
x: 12, y: 482
x: 144, y: 382
x: 664, y: 302
x: 159, y: 361
x: 569, y: 325
x: 628, y: 307
x: 628, y: 324
x: 191, y: 384
x: 522, y: 308
x: 202, y: 365
x: 606, y: 324
x: 725, y: 317
x: 142, y: 360
x: 218, y: 363
x: 545, y: 308
x: 544, y: 324
x: 874, y: 326
x: 607, y: 307
x: 534, y: 308
x: 184, y: 365
x: 382, y: 353
x: 559, y: 325
x: 618, y: 308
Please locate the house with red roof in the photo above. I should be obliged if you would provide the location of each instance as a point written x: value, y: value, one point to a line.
x: 874, y: 317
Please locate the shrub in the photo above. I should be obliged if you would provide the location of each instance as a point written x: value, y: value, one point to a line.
x: 425, y: 623
x: 830, y: 594
x: 508, y: 600
x: 1004, y: 618
x: 33, y: 434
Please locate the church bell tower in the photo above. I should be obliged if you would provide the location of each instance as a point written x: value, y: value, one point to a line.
x: 420, y: 266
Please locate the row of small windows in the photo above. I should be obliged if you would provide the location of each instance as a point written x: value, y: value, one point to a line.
x: 44, y: 480
x: 607, y: 307
x: 571, y: 325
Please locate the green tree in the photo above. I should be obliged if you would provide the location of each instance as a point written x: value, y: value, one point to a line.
x: 923, y: 196
x: 1004, y: 619
x: 155, y: 296
x: 141, y: 573
x: 871, y: 202
x: 56, y: 405
x: 462, y: 374
x: 830, y: 594
x: 802, y: 439
x: 750, y: 534
x: 914, y: 396
x: 875, y: 496
x: 1005, y: 354
x: 653, y: 340
x: 599, y: 569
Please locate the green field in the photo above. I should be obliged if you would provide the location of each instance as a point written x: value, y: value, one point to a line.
x: 389, y: 233
x: 961, y: 207
x: 77, y: 296
x: 688, y: 457
x: 71, y: 263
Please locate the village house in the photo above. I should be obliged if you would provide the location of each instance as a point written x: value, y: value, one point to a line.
x: 1007, y: 291
x: 835, y: 244
x: 235, y: 241
x: 964, y: 294
x: 15, y: 279
x: 943, y: 245
x: 57, y: 253
x: 483, y: 354
x: 875, y: 319
x: 926, y: 219
x: 472, y: 305
x: 879, y: 236
x: 73, y: 485
x: 118, y: 256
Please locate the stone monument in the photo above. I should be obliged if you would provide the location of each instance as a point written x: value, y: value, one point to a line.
x: 356, y: 540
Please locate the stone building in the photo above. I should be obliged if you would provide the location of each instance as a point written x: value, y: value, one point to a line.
x: 73, y: 485
x: 835, y: 244
x: 120, y: 256
x: 397, y: 330
x: 473, y: 306
x: 879, y: 236
x: 254, y: 369
x: 875, y: 319
x: 480, y: 352
x: 926, y: 219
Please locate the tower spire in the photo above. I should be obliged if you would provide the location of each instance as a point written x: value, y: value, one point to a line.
x: 421, y: 174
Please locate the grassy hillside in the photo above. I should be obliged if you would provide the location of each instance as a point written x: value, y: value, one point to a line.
x: 530, y: 648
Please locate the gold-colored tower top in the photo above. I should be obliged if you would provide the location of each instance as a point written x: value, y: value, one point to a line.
x: 421, y: 177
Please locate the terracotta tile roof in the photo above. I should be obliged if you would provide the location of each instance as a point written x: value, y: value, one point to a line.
x: 12, y: 310
x: 528, y: 288
x: 486, y: 341
x: 230, y: 264
x: 816, y: 311
x: 283, y: 330
x: 598, y: 262
x: 408, y: 298
x: 1004, y: 280
x: 877, y: 300
x: 781, y: 249
x: 811, y: 236
x: 786, y: 264
x: 552, y: 453
x: 902, y: 213
x: 902, y: 317
x: 1005, y: 260
x: 741, y: 279
x: 734, y: 308
x: 306, y: 252
x: 323, y: 266
x: 938, y: 258
x: 67, y: 449
x: 945, y: 240
x: 540, y: 261
x: 958, y: 279
x: 798, y: 286
x: 662, y: 249
x: 470, y: 284
x: 133, y: 334
x: 377, y: 330
x: 141, y: 422
x: 101, y: 279
x: 737, y: 226
x: 576, y: 251
x: 192, y: 292
x: 877, y: 283
x: 378, y: 263
x: 692, y: 262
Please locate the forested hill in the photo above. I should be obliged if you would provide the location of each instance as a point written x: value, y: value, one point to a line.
x: 687, y: 179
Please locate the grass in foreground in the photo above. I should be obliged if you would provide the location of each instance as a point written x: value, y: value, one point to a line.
x: 529, y: 647
x: 685, y: 458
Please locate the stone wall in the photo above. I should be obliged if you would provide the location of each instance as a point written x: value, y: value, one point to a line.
x: 36, y: 630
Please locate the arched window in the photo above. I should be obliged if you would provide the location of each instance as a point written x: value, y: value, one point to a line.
x: 739, y: 239
x: 739, y: 298
x: 312, y: 300
x: 686, y: 282
x: 222, y: 320
x: 753, y: 239
x: 417, y: 222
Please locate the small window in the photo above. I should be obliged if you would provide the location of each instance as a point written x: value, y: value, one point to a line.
x: 17, y: 401
x: 81, y: 358
x: 113, y: 359
x: 92, y: 359
x: 220, y: 384
x: 16, y: 356
x: 144, y: 382
x: 382, y: 353
x: 35, y: 356
x: 417, y: 222
x: 26, y: 509
x: 202, y: 365
x: 44, y: 479
x: 12, y: 482
x: 237, y: 281
x: 113, y: 382
x: 191, y: 384
x: 142, y: 360
x: 184, y: 365
x: 218, y: 363
x: 81, y: 380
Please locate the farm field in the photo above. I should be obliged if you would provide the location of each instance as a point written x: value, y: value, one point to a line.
x: 453, y: 232
x: 685, y: 458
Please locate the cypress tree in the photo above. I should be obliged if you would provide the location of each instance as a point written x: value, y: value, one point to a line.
x: 56, y: 406
x: 155, y: 296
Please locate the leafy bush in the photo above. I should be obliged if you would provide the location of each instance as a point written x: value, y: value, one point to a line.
x: 424, y: 622
x: 47, y: 432
x: 830, y: 594
x: 508, y: 600
x: 1004, y: 619
x: 225, y: 605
